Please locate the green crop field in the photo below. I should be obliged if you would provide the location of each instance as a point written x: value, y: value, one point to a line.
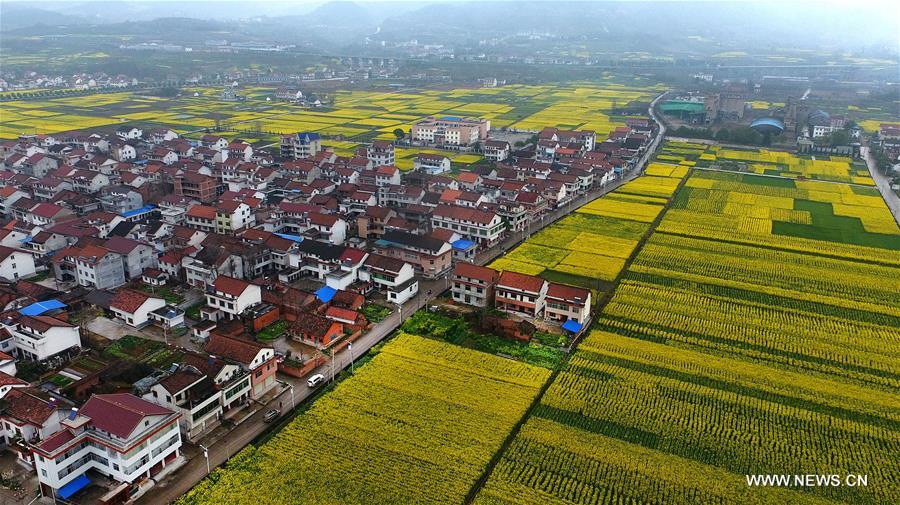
x: 353, y: 117
x: 756, y: 332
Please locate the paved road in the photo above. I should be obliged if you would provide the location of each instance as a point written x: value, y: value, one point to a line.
x: 195, y: 469
x: 883, y: 183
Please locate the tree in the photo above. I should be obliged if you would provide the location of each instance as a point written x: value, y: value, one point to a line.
x: 399, y: 133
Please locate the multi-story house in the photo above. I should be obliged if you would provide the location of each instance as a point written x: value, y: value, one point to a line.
x: 121, y: 436
x: 520, y: 294
x: 496, y: 150
x: 193, y: 395
x: 392, y: 276
x: 450, y: 131
x: 121, y: 199
x: 300, y: 145
x: 431, y: 164
x: 564, y: 303
x: 201, y: 217
x: 326, y: 227
x: 95, y: 267
x: 380, y: 153
x: 41, y: 337
x: 15, y: 264
x: 27, y: 418
x: 88, y: 181
x: 429, y: 256
x: 48, y: 187
x: 473, y: 284
x: 232, y: 296
x: 199, y: 187
x: 257, y: 359
x: 371, y: 223
x: 482, y: 227
x: 232, y: 216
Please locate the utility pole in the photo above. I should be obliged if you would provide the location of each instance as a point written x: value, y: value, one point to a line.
x: 332, y: 364
x: 350, y: 348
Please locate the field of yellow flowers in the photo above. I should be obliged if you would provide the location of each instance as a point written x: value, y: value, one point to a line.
x: 756, y: 332
x: 417, y: 424
x: 594, y: 242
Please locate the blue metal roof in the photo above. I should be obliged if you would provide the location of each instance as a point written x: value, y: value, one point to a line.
x: 463, y: 244
x: 325, y: 293
x: 308, y: 136
x: 768, y: 121
x: 450, y: 118
x: 73, y: 487
x: 145, y: 208
x: 572, y: 325
x: 294, y: 238
x: 38, y: 308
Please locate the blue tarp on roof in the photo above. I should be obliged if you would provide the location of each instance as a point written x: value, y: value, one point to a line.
x: 38, y: 308
x: 572, y: 325
x: 27, y: 239
x: 145, y: 208
x: 325, y: 293
x: 463, y: 244
x: 450, y: 118
x: 73, y: 487
x: 294, y: 238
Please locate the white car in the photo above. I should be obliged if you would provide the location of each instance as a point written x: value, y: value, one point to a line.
x: 315, y: 380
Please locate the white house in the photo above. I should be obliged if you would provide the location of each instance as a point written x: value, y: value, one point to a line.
x: 38, y: 338
x: 328, y: 227
x: 394, y: 277
x: 26, y: 417
x: 193, y: 395
x: 432, y: 164
x: 129, y: 132
x: 7, y: 364
x: 134, y: 307
x: 121, y: 436
x: 233, y: 296
x: 15, y: 264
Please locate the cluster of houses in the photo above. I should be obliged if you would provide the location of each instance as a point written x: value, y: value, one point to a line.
x: 108, y: 219
x: 15, y: 81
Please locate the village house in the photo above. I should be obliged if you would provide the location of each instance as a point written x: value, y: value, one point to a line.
x: 473, y: 285
x: 232, y: 296
x: 429, y: 256
x: 139, y: 439
x: 256, y: 359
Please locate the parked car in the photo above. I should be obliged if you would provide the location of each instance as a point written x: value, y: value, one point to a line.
x: 315, y: 380
x: 271, y: 415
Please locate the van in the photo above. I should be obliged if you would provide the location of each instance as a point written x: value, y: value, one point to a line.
x: 315, y: 380
x: 271, y: 415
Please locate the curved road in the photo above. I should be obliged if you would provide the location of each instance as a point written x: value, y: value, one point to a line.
x: 883, y: 183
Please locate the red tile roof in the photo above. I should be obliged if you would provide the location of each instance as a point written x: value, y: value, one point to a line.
x: 24, y: 406
x: 488, y: 275
x: 464, y: 214
x: 9, y: 380
x: 230, y: 285
x: 121, y: 413
x: 46, y: 210
x: 202, y: 212
x: 568, y: 293
x: 242, y: 351
x: 129, y: 300
x: 341, y: 314
x: 522, y: 282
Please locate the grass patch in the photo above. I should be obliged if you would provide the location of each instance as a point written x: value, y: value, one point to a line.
x: 457, y: 330
x: 374, y: 312
x: 273, y: 331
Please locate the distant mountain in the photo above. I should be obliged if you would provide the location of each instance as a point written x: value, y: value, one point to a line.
x: 14, y: 16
